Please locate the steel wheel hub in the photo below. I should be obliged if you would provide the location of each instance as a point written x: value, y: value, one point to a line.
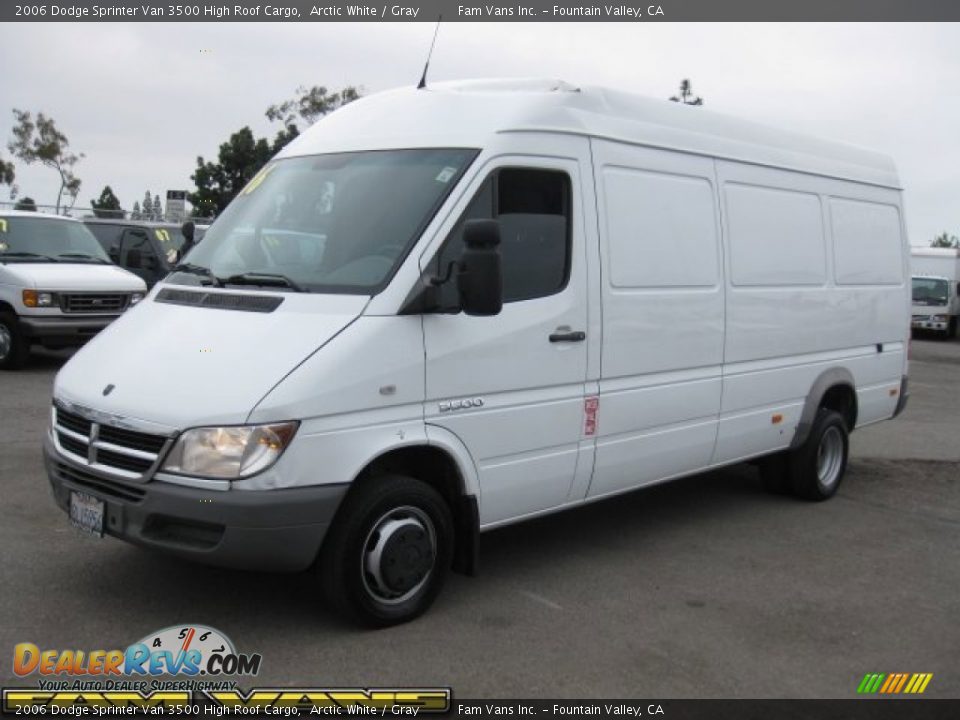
x: 399, y: 555
x: 830, y: 457
x: 6, y: 341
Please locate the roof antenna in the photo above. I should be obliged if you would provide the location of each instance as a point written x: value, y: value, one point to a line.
x: 423, y: 78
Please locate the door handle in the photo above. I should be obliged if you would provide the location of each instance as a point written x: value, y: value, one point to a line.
x: 574, y: 336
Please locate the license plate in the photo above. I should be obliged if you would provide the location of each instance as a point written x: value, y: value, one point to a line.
x: 86, y: 513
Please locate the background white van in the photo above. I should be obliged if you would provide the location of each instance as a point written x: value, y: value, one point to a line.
x: 57, y: 286
x: 440, y: 311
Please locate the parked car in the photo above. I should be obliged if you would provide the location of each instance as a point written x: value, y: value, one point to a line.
x: 58, y: 288
x: 439, y: 312
x: 145, y: 248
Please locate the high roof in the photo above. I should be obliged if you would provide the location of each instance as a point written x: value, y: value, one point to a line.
x: 468, y: 114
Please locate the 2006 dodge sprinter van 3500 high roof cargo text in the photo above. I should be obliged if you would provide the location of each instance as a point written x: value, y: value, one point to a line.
x: 439, y: 311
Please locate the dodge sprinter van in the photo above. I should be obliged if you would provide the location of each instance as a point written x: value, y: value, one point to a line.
x: 57, y: 287
x: 441, y: 311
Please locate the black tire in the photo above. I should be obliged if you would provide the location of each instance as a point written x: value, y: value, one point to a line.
x: 415, y: 555
x: 817, y: 467
x: 952, y: 328
x: 14, y: 348
x: 775, y: 473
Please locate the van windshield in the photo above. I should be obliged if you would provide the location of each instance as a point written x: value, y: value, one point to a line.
x: 339, y: 223
x: 47, y: 239
x: 929, y: 291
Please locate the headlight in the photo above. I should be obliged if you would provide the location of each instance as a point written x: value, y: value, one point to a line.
x: 135, y: 298
x: 229, y: 452
x: 39, y: 298
x: 938, y: 318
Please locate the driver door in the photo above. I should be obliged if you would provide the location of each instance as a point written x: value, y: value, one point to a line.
x: 511, y: 386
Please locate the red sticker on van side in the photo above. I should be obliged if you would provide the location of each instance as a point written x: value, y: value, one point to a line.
x: 590, y: 407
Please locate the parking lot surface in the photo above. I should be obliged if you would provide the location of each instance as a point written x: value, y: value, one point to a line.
x: 705, y: 587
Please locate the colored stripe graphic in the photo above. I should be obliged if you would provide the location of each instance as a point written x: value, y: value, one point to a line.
x: 894, y: 683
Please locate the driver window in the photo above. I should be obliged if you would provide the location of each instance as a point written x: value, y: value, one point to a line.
x: 533, y: 208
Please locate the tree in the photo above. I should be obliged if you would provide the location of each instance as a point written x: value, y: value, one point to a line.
x: 157, y: 209
x: 7, y: 173
x: 40, y: 141
x: 238, y: 161
x: 147, y: 206
x: 243, y: 155
x: 108, y: 205
x: 26, y: 203
x: 945, y: 241
x: 135, y: 214
x: 686, y: 95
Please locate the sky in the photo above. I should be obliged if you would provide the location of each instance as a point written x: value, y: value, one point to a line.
x: 143, y: 100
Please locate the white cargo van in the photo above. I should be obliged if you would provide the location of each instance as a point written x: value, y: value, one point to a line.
x: 936, y: 289
x: 58, y: 288
x: 441, y: 311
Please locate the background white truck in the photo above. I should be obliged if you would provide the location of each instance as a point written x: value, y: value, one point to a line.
x: 936, y: 289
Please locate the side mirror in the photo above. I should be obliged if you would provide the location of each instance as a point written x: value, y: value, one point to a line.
x: 958, y: 288
x: 480, y: 276
x: 134, y: 259
x: 188, y: 229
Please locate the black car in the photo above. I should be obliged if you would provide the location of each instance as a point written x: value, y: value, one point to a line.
x: 147, y: 249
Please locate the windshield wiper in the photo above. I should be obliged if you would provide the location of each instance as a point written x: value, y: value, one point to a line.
x: 84, y: 256
x: 27, y: 255
x: 198, y: 270
x: 264, y: 279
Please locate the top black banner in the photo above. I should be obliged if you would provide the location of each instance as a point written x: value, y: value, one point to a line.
x: 466, y: 11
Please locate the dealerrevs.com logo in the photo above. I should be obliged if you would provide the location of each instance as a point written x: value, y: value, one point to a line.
x: 186, y: 650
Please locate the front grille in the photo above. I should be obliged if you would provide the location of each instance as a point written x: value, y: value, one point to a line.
x: 70, y: 445
x: 143, y: 442
x: 93, y: 302
x: 128, y: 453
x: 101, y: 485
x: 73, y: 422
x: 124, y: 462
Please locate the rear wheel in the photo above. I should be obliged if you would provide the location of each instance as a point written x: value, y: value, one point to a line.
x: 388, y: 552
x: 817, y: 468
x: 14, y: 348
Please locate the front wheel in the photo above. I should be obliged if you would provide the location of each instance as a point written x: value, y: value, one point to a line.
x: 14, y: 348
x: 388, y: 551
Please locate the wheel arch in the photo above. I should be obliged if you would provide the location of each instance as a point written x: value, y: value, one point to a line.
x: 436, y: 466
x: 835, y: 389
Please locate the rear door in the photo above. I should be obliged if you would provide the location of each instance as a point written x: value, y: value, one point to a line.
x: 511, y: 387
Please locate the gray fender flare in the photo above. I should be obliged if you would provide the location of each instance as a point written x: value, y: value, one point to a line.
x: 826, y: 380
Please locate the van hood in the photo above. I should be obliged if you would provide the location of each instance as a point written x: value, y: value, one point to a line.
x: 178, y: 366
x: 74, y: 276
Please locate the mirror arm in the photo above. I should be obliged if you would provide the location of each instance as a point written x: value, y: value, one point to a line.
x: 437, y: 281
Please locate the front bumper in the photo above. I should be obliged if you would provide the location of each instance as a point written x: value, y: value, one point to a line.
x: 279, y: 530
x: 59, y: 331
x: 921, y: 322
